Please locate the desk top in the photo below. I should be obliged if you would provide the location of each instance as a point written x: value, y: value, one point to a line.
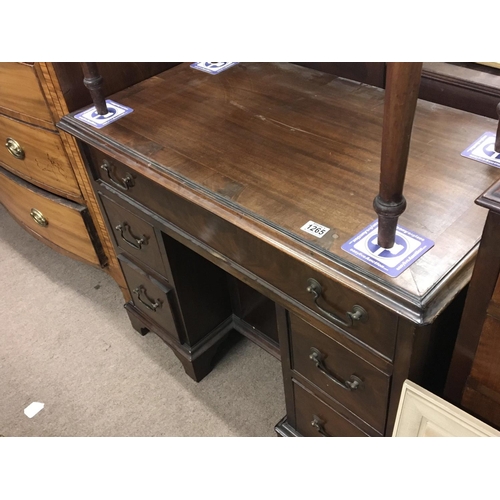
x: 274, y: 145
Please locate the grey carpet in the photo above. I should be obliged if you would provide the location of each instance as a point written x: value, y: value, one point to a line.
x: 65, y: 341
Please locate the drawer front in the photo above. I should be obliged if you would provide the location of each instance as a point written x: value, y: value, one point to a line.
x: 37, y: 155
x: 133, y: 235
x: 377, y: 328
x: 313, y: 418
x: 63, y: 225
x: 343, y: 375
x: 151, y: 297
x: 20, y: 92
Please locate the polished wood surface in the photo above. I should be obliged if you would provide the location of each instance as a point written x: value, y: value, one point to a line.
x: 403, y: 81
x: 372, y: 73
x: 228, y: 167
x: 316, y: 419
x: 474, y: 376
x: 153, y: 298
x: 368, y: 400
x: 45, y: 163
x: 467, y: 86
x: 481, y: 289
x: 133, y: 235
x: 325, y: 133
x: 21, y: 96
x: 240, y: 248
x: 69, y: 228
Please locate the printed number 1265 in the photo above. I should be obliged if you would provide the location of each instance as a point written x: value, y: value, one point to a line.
x: 315, y: 229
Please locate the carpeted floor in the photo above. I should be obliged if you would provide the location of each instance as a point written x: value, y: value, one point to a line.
x: 65, y: 341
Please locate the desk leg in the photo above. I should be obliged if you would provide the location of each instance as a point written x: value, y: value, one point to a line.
x: 197, y: 360
x: 137, y: 324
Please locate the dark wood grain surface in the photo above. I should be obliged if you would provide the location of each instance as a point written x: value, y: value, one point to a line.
x: 281, y: 145
x: 473, y: 381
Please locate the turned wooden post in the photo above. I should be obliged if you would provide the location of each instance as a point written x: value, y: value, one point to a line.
x: 497, y: 140
x: 93, y: 81
x: 401, y: 92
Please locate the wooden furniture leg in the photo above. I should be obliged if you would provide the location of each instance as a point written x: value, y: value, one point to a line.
x: 403, y: 81
x: 93, y: 81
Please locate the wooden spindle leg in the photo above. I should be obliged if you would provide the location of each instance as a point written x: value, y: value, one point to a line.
x: 403, y: 82
x: 93, y: 81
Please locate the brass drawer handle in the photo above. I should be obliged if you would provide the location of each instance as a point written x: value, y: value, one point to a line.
x: 150, y: 304
x: 137, y: 243
x: 124, y: 184
x: 318, y: 424
x: 14, y: 148
x: 350, y: 385
x: 38, y: 217
x: 357, y: 313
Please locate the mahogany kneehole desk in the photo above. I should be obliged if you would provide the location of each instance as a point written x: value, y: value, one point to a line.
x: 205, y: 187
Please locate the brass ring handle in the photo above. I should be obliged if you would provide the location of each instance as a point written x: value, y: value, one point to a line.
x: 14, y: 148
x: 38, y: 217
x: 350, y: 385
x: 137, y: 243
x: 357, y: 313
x: 125, y: 183
x: 151, y: 305
x: 318, y: 424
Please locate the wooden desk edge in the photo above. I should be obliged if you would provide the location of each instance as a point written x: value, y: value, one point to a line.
x: 420, y: 310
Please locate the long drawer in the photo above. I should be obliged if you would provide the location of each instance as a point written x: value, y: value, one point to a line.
x: 20, y: 93
x: 61, y: 224
x: 38, y: 156
x: 378, y: 327
x: 340, y: 373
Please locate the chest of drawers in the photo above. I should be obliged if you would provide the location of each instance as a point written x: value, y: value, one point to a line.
x: 205, y: 187
x: 38, y: 185
x: 44, y: 185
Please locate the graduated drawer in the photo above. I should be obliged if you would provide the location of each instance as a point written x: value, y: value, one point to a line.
x: 38, y: 156
x: 378, y: 326
x: 340, y: 373
x: 61, y: 224
x: 133, y: 235
x: 20, y: 92
x: 313, y: 418
x: 154, y: 299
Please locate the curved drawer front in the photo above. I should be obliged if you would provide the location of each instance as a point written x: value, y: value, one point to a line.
x: 343, y: 375
x: 38, y: 156
x: 151, y: 297
x: 315, y: 419
x: 20, y: 92
x: 377, y: 329
x: 63, y: 225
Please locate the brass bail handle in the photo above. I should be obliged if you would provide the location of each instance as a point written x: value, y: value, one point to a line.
x: 318, y: 359
x: 124, y: 183
x: 38, y: 217
x: 152, y: 305
x: 357, y: 313
x: 14, y: 148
